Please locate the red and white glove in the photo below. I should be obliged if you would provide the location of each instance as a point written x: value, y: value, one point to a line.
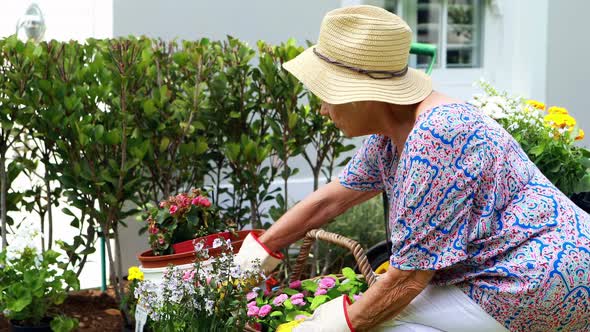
x: 331, y: 316
x: 254, y: 254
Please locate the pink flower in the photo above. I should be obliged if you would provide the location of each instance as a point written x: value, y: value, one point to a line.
x: 296, y: 296
x: 162, y: 204
x: 320, y: 291
x: 327, y: 282
x: 298, y: 301
x: 188, y: 275
x: 251, y: 304
x: 253, y: 311
x: 357, y: 297
x: 196, y: 201
x: 280, y: 299
x: 264, y: 310
x: 161, y: 240
x: 205, y: 202
x: 295, y: 284
x: 173, y: 209
x: 298, y: 317
x: 251, y: 296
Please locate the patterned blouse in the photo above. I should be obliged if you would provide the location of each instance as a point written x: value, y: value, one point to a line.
x: 466, y: 201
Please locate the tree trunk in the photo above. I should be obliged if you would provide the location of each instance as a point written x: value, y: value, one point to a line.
x: 49, y: 214
x: 3, y: 194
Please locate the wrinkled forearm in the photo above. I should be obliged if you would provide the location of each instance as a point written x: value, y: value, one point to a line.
x: 387, y: 297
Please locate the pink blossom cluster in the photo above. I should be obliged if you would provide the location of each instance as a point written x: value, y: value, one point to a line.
x: 324, y: 285
x: 255, y: 311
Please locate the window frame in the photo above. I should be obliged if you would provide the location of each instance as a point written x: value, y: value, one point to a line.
x: 409, y: 12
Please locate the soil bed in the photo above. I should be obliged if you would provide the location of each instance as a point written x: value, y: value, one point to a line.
x: 96, y: 311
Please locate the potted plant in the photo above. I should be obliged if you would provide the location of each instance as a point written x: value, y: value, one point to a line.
x: 208, y: 296
x: 548, y: 135
x: 177, y: 223
x: 32, y: 284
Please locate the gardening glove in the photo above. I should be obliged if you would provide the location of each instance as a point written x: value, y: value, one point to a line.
x: 254, y: 254
x: 331, y: 316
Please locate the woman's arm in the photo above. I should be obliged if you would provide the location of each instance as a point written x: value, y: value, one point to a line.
x: 387, y: 297
x: 314, y: 211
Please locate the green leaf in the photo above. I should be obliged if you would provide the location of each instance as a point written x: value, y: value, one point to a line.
x: 288, y: 304
x: 276, y: 314
x: 349, y: 273
x: 164, y: 143
x: 113, y: 137
x: 309, y: 285
x: 536, y: 151
x: 149, y: 107
x: 290, y: 291
x: 318, y: 301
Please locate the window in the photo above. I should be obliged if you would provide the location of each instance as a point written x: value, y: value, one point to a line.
x: 455, y: 26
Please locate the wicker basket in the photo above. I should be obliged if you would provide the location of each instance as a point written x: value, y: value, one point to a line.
x: 319, y: 234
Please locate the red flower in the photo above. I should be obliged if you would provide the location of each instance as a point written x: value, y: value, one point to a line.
x: 205, y: 202
x: 173, y: 209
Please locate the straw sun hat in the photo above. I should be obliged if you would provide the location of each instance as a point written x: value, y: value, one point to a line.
x: 362, y: 54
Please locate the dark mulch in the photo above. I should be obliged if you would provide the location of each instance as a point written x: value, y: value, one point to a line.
x: 96, y: 311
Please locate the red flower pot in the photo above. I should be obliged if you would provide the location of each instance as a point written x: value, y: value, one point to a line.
x: 187, y: 246
x: 148, y: 260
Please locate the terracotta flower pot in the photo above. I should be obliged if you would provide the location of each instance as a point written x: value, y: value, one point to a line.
x: 148, y: 260
x: 187, y: 246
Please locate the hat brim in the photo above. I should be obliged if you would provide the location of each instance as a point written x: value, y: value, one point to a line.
x: 337, y: 85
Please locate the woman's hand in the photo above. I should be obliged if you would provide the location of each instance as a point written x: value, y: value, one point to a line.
x: 255, y: 256
x: 383, y: 301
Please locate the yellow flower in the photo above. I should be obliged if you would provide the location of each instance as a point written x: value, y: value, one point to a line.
x: 559, y: 120
x: 536, y: 104
x: 134, y: 273
x: 580, y: 135
x: 288, y: 327
x: 557, y: 110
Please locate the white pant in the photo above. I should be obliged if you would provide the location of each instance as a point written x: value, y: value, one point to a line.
x: 442, y: 308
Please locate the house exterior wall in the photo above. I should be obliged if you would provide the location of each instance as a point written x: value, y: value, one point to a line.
x: 568, y: 64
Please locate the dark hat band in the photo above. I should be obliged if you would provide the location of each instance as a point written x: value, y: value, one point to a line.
x: 375, y: 74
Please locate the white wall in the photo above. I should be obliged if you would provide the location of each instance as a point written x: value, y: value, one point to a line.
x: 568, y: 63
x: 515, y: 46
x: 269, y: 20
x: 65, y: 19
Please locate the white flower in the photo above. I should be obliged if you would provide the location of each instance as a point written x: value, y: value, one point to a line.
x: 38, y: 260
x: 218, y: 242
x: 209, y: 306
x: 199, y: 246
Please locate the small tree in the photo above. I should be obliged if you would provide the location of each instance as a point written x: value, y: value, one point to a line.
x: 16, y: 73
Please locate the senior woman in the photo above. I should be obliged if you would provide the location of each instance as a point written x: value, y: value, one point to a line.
x: 481, y: 239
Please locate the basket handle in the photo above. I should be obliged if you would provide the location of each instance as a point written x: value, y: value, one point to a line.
x: 355, y: 248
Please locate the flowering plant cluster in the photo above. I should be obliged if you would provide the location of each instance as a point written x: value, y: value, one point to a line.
x: 134, y: 276
x: 301, y: 298
x: 546, y: 134
x: 209, y: 296
x: 180, y: 218
x: 33, y: 283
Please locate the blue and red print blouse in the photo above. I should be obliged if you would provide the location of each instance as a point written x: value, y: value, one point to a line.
x: 466, y: 201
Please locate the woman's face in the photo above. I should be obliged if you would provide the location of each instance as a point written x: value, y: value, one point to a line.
x: 352, y: 118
